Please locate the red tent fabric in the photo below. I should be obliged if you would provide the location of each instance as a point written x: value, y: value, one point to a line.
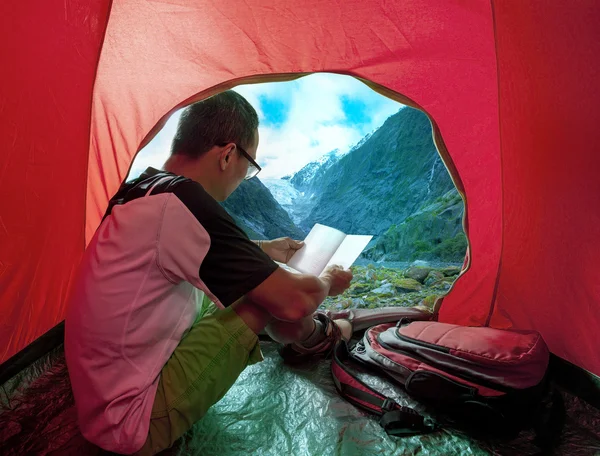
x: 511, y: 87
x: 49, y: 56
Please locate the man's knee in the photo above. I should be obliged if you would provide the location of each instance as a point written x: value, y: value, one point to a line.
x: 259, y: 321
x: 255, y: 317
x: 289, y: 332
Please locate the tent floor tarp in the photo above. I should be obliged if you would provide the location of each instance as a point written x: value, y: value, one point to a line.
x: 271, y: 410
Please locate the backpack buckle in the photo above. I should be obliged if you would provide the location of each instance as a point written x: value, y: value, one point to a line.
x: 389, y: 405
x: 403, y: 322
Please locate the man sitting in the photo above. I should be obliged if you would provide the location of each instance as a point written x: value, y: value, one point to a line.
x: 144, y: 368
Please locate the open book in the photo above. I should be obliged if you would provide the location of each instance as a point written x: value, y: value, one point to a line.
x: 325, y: 246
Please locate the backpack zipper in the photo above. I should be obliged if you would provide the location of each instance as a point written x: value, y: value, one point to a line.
x: 420, y: 342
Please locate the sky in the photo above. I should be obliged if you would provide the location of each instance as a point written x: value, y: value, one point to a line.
x: 299, y: 121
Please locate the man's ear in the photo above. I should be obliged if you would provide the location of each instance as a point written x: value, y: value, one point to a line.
x: 225, y: 156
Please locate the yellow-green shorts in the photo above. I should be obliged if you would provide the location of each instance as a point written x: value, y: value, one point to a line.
x: 203, y: 367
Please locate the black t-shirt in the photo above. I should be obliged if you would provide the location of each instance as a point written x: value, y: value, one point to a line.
x: 233, y: 264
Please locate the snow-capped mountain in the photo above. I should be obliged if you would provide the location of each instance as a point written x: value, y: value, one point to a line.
x: 297, y: 193
x: 362, y: 141
x: 290, y: 198
x: 304, y: 179
x: 392, y: 185
x: 281, y: 190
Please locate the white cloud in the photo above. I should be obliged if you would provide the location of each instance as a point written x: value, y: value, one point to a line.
x: 286, y: 150
x: 315, y: 122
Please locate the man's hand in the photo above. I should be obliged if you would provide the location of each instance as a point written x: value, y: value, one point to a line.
x: 338, y: 278
x: 281, y: 249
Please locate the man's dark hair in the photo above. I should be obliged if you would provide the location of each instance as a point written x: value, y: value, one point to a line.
x: 222, y: 118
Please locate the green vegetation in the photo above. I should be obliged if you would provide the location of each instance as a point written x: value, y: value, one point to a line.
x: 374, y: 287
x: 386, y: 180
x: 393, y: 186
x: 433, y: 233
x: 452, y: 249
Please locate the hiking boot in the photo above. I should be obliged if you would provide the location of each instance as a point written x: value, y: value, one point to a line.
x: 334, y: 331
x: 340, y: 324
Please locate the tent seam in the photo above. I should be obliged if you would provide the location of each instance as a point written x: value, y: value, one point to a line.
x: 494, y: 298
x: 87, y: 163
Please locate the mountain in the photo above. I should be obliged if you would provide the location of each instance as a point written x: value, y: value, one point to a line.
x: 256, y: 211
x: 434, y: 232
x: 290, y: 198
x: 308, y: 179
x: 384, y: 180
x: 392, y: 185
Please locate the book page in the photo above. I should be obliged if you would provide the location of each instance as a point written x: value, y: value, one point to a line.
x: 349, y: 250
x: 287, y: 268
x: 319, y: 246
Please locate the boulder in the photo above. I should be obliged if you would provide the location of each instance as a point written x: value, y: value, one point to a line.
x: 433, y: 277
x: 407, y: 285
x: 358, y: 288
x: 429, y: 301
x: 385, y: 290
x: 370, y: 275
x: 451, y: 270
x: 417, y: 273
x: 420, y: 263
x: 358, y: 303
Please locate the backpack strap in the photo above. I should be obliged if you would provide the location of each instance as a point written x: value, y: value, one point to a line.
x: 395, y: 418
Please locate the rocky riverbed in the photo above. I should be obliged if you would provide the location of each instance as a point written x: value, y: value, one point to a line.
x: 380, y: 286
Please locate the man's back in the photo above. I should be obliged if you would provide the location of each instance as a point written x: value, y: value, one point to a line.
x: 124, y: 320
x: 135, y: 297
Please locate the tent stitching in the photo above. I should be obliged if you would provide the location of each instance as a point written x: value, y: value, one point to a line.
x: 494, y: 297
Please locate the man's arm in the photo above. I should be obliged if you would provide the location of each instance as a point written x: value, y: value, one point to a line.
x: 291, y: 297
x: 280, y: 249
x: 217, y: 256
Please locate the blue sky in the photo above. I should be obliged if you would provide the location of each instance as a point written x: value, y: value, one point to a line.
x: 299, y: 121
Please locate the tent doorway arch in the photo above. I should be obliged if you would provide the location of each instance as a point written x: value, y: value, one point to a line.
x: 341, y: 88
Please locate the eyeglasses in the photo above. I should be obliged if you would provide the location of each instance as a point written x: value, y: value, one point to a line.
x: 253, y: 168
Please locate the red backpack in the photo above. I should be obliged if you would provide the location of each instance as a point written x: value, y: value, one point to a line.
x: 489, y: 380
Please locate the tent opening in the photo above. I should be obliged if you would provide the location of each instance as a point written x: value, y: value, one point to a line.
x: 337, y: 153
